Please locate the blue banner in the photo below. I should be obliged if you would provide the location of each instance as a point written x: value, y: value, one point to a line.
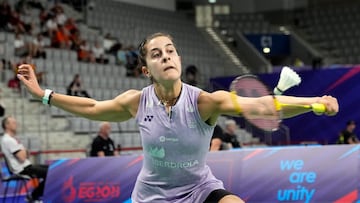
x: 278, y: 44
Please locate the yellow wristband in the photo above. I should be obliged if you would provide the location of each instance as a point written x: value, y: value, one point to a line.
x: 234, y: 100
x: 278, y: 106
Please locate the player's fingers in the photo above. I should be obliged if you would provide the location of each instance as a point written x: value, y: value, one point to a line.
x: 26, y: 69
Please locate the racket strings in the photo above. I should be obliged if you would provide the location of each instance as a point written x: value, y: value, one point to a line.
x: 251, y: 86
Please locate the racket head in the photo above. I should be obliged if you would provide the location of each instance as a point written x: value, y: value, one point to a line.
x: 251, y: 86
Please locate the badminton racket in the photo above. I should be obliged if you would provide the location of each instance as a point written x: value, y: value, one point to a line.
x: 251, y: 86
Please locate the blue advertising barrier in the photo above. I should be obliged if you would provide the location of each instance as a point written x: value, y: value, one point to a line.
x: 274, y: 174
x: 16, y: 190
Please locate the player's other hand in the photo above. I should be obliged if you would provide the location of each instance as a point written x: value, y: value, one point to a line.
x: 26, y: 74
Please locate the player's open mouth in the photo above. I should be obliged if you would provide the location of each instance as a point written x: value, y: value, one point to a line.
x: 168, y: 68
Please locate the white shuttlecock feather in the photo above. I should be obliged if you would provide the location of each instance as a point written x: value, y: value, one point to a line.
x: 288, y: 78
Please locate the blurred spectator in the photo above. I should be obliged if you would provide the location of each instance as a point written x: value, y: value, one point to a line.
x: 61, y: 38
x: 18, y: 25
x: 216, y: 143
x: 121, y: 57
x: 99, y: 53
x: 50, y: 26
x: 5, y: 64
x: 75, y: 88
x: 22, y: 7
x: 111, y: 45
x: 61, y: 18
x: 298, y: 62
x: 21, y: 47
x: 38, y: 46
x: 230, y: 136
x: 84, y: 53
x: 71, y: 26
x: 5, y: 15
x: 43, y: 17
x: 348, y: 136
x: 132, y: 62
x: 14, y: 83
x: 191, y: 75
x: 56, y: 8
x: 102, y: 144
x: 76, y: 40
x: 317, y: 63
x: 35, y: 4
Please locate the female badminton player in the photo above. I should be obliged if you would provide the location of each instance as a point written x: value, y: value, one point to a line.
x: 176, y: 122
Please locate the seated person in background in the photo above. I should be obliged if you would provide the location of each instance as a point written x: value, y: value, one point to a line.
x: 216, y: 143
x: 102, y: 144
x: 21, y: 47
x: 61, y: 38
x: 132, y: 62
x: 84, y: 53
x: 191, y: 75
x: 71, y: 26
x: 19, y: 25
x: 75, y: 89
x: 121, y: 57
x: 43, y: 18
x: 5, y: 15
x: 14, y: 83
x: 38, y: 46
x: 50, y: 26
x: 16, y: 156
x: 111, y: 44
x: 230, y: 137
x: 348, y: 136
x: 35, y: 4
x: 99, y: 53
x: 76, y: 40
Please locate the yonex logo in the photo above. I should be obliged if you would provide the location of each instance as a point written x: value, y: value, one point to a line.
x: 148, y: 118
x: 190, y: 109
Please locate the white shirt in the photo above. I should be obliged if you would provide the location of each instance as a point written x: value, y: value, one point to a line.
x: 39, y: 43
x: 61, y: 19
x: 9, y: 145
x: 108, y: 43
x: 18, y: 43
x: 50, y: 24
x: 98, y: 52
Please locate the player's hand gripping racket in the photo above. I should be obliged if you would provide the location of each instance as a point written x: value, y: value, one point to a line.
x: 251, y: 86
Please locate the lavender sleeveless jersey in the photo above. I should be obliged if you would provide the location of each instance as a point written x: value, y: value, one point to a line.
x: 175, y: 148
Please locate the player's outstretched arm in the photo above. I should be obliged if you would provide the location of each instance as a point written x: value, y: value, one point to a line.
x: 211, y: 105
x: 121, y: 108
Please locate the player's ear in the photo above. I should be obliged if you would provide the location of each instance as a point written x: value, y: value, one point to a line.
x: 145, y: 71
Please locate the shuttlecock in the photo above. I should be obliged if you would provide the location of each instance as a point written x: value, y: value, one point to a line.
x: 288, y: 78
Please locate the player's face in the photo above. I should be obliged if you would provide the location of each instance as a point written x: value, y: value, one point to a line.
x: 11, y: 125
x: 162, y: 59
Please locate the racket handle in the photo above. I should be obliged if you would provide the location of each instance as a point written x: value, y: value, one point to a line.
x: 318, y: 108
